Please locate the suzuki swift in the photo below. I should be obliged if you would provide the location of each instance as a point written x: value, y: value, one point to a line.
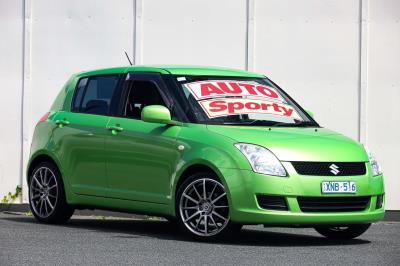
x: 211, y: 149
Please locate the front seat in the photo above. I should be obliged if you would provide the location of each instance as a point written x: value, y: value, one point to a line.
x: 142, y: 94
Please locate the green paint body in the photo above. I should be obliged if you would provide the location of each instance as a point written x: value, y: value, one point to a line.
x: 132, y: 165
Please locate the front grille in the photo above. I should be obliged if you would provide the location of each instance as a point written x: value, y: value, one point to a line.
x: 330, y: 168
x: 333, y: 204
x: 272, y: 202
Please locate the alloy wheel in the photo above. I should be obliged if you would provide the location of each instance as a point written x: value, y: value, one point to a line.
x: 204, y: 207
x: 43, y: 192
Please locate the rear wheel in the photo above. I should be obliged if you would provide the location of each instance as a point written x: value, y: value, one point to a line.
x: 202, y: 208
x: 47, y: 195
x: 343, y: 232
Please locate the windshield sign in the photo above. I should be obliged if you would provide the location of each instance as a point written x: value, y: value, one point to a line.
x: 232, y: 106
x: 215, y: 88
x: 232, y: 97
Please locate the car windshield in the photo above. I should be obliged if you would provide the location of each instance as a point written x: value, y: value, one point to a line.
x: 239, y: 101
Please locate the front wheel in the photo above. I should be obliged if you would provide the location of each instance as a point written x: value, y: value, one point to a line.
x: 343, y: 232
x: 202, y: 208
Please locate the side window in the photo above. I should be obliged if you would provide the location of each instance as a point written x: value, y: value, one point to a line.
x: 78, y: 94
x: 140, y: 95
x: 93, y: 95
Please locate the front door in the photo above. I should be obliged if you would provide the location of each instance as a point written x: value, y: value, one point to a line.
x: 141, y: 156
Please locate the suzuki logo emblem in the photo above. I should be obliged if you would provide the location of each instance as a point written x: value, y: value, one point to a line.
x: 334, y: 169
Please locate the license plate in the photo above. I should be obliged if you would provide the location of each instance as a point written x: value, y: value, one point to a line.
x: 339, y: 187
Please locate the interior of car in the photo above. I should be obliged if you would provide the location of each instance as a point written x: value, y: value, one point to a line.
x: 140, y: 95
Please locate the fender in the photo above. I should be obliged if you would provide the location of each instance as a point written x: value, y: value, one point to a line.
x: 55, y: 159
x: 178, y: 175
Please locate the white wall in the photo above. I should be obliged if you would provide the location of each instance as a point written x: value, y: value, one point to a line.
x: 338, y: 58
x: 71, y: 36
x: 206, y: 32
x: 311, y: 48
x: 383, y: 111
x: 11, y: 74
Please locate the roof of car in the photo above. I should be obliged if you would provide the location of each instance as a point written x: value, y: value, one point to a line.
x: 175, y: 70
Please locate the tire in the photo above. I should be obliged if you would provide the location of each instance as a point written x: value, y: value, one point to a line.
x: 204, y: 217
x: 343, y: 232
x: 47, y: 195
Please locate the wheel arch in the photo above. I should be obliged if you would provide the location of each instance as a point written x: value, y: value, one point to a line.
x: 196, y: 167
x: 40, y: 157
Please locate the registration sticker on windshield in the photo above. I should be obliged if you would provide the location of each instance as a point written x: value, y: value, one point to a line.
x: 222, y: 88
x: 236, y: 106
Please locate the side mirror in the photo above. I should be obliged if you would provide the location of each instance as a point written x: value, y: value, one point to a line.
x: 310, y: 113
x: 158, y: 114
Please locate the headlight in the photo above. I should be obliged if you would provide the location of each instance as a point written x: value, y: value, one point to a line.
x: 376, y: 169
x: 261, y: 159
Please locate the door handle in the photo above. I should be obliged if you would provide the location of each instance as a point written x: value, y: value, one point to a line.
x: 62, y: 123
x: 115, y: 129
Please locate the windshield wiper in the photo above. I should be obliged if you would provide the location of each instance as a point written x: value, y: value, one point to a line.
x: 297, y: 123
x: 268, y: 123
x: 254, y: 122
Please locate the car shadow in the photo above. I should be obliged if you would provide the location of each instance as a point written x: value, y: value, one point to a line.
x: 160, y: 229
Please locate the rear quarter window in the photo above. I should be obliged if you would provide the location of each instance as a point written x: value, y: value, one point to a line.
x: 93, y: 95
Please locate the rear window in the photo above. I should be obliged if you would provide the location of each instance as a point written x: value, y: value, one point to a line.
x: 93, y: 94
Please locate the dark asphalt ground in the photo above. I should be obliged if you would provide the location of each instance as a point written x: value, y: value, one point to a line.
x: 113, y: 241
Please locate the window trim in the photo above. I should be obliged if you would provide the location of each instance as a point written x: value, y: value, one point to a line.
x: 75, y: 95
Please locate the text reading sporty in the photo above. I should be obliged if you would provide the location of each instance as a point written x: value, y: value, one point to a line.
x: 210, y: 148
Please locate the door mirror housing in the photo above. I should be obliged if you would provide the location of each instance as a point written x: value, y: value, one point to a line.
x: 158, y: 114
x: 310, y: 113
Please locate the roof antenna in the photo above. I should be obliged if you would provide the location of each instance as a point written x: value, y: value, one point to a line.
x: 127, y: 56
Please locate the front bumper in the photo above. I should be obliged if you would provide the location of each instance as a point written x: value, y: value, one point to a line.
x: 244, y: 185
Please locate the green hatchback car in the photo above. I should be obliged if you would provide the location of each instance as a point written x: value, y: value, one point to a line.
x: 210, y: 149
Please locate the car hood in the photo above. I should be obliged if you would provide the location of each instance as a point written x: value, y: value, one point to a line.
x: 298, y: 143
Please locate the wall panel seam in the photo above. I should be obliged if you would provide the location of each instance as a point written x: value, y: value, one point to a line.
x: 26, y: 93
x: 249, y: 56
x: 363, y: 75
x: 137, y: 49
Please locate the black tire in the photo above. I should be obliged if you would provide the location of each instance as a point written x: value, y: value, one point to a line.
x: 40, y: 201
x: 171, y: 220
x: 227, y: 229
x: 343, y: 232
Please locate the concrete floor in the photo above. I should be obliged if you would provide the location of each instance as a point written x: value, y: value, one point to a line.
x: 119, y: 241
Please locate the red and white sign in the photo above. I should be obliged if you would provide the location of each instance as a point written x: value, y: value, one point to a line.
x: 235, y: 106
x: 221, y: 88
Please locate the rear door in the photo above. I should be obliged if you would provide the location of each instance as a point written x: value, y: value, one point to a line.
x: 81, y: 134
x: 141, y: 156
